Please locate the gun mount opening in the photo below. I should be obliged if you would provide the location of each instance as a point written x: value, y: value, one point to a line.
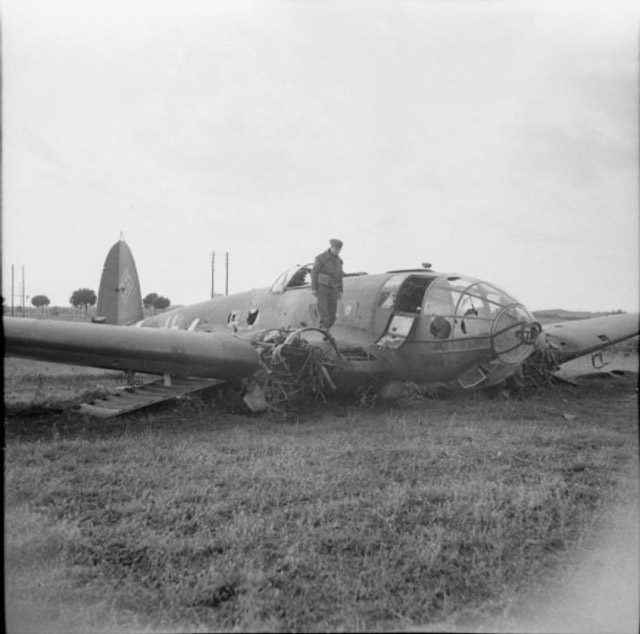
x: 295, y: 277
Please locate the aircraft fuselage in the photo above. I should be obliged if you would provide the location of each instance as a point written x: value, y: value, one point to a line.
x: 418, y: 325
x: 413, y: 325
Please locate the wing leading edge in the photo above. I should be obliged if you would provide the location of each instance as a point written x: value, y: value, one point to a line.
x: 150, y: 350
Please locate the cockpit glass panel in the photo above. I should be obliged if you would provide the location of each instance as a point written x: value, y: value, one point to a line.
x: 474, y: 306
x: 440, y: 301
x: 389, y: 292
x: 493, y: 294
x: 471, y: 305
x: 294, y: 277
x: 459, y: 283
x: 300, y: 276
x: 278, y: 285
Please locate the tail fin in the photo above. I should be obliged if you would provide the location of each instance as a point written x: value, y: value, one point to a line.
x: 119, y: 297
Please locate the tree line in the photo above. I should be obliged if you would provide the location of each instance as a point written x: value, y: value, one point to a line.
x: 85, y: 297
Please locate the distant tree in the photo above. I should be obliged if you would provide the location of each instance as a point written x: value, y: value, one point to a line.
x: 147, y: 302
x: 83, y: 298
x: 160, y: 303
x: 40, y: 300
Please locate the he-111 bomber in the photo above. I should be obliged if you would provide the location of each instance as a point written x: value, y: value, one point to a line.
x: 393, y: 329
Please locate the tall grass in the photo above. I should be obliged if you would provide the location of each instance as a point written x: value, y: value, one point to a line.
x: 443, y: 512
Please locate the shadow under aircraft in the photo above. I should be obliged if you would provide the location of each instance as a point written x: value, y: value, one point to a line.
x: 393, y: 329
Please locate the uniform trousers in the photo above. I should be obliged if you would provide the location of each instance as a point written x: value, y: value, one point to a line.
x: 327, y: 306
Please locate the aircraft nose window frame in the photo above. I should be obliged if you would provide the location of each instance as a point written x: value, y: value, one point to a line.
x: 461, y: 307
x: 514, y: 334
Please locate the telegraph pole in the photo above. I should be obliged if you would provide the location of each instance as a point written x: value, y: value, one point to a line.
x: 213, y: 268
x: 226, y: 283
x: 12, y: 288
x: 24, y: 308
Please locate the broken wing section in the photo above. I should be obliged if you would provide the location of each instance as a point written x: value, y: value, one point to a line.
x: 568, y: 340
x: 150, y: 350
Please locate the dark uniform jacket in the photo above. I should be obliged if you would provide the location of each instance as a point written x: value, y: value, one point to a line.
x: 327, y: 272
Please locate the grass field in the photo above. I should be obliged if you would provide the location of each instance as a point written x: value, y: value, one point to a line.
x: 441, y: 514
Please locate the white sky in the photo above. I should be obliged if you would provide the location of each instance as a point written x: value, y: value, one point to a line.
x: 498, y: 139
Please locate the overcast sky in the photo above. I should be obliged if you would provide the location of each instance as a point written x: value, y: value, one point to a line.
x: 495, y: 139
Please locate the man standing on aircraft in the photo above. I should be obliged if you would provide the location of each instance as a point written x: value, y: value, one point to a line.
x: 326, y: 283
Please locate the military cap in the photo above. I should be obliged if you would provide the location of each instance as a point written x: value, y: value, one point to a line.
x: 334, y: 242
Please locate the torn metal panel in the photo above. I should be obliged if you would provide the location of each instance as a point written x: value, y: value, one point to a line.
x: 572, y: 339
x: 130, y: 399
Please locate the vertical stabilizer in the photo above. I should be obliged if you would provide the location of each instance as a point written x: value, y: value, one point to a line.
x: 119, y: 297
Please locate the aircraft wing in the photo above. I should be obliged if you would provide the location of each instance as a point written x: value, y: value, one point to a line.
x: 149, y: 350
x: 571, y: 339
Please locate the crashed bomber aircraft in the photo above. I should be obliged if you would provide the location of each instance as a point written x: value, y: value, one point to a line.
x: 415, y: 325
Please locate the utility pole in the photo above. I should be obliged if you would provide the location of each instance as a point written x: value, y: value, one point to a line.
x: 24, y: 308
x: 226, y: 283
x: 12, y: 288
x: 213, y: 268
